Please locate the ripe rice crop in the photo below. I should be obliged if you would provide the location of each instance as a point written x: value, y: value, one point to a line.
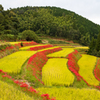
x: 13, y: 43
x: 55, y: 72
x: 82, y: 47
x: 28, y: 47
x: 13, y: 63
x: 86, y: 65
x: 62, y: 53
x: 71, y: 93
x: 8, y: 92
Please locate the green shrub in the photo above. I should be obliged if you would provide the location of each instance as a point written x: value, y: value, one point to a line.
x: 9, y: 37
x: 3, y: 46
x: 30, y: 35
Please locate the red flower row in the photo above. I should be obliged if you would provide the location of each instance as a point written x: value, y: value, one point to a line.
x: 29, y: 43
x: 40, y: 47
x: 7, y: 48
x: 35, y: 64
x: 73, y: 66
x: 26, y: 86
x: 97, y: 70
x: 25, y: 44
x: 46, y: 52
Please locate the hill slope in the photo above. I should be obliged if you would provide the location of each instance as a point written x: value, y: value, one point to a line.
x: 56, y: 22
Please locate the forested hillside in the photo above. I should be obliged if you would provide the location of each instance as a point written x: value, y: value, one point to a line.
x: 51, y: 21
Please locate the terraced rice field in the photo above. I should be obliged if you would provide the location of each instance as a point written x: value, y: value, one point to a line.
x: 58, y: 80
x: 28, y: 47
x: 47, y: 49
x: 72, y: 93
x: 62, y: 53
x: 82, y: 48
x: 87, y: 64
x: 55, y: 72
x: 13, y: 63
x: 8, y: 92
x: 13, y: 43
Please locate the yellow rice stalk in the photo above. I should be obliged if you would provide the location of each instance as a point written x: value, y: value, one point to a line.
x: 85, y: 47
x: 62, y: 53
x: 71, y: 93
x: 13, y: 63
x: 86, y: 65
x: 55, y: 72
x: 8, y: 92
x: 13, y: 43
x: 27, y: 47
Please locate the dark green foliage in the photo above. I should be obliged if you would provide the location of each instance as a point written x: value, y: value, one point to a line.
x: 94, y: 47
x: 9, y: 37
x: 56, y: 22
x: 21, y: 44
x: 52, y: 21
x: 98, y: 42
x: 3, y: 46
x: 9, y: 24
x: 30, y: 35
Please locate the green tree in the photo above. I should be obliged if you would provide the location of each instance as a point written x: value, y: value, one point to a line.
x: 1, y: 8
x: 30, y: 35
x: 92, y: 45
x: 98, y: 42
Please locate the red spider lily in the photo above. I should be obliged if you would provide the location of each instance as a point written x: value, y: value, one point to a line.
x: 17, y: 82
x: 1, y: 71
x: 24, y: 85
x: 6, y: 76
x: 31, y: 89
x: 53, y: 99
x: 45, y: 96
x: 73, y: 66
x: 97, y: 70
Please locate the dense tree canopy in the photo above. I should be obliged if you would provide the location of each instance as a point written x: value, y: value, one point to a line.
x: 51, y: 21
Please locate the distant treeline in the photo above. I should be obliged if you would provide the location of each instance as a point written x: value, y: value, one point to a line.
x: 52, y: 21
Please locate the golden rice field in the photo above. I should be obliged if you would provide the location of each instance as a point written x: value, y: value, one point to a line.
x: 72, y: 93
x: 8, y: 92
x: 28, y: 47
x: 62, y: 53
x: 13, y: 43
x: 85, y: 47
x: 66, y: 46
x: 13, y: 62
x: 58, y: 80
x: 87, y: 64
x: 55, y: 72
